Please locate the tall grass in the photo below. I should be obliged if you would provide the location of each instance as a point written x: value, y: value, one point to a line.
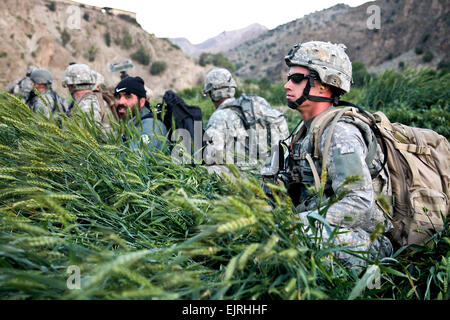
x: 140, y: 226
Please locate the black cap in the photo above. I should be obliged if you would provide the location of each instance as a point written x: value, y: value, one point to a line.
x: 132, y: 85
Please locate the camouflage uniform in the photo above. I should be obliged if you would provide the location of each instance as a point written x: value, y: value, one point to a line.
x: 48, y: 102
x: 90, y: 101
x: 81, y: 77
x: 22, y: 87
x: 228, y: 140
x: 356, y: 212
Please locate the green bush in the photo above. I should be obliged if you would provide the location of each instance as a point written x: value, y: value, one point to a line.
x: 92, y: 53
x: 51, y: 5
x: 418, y: 50
x: 418, y: 98
x: 141, y: 56
x: 218, y: 60
x: 428, y: 56
x: 158, y: 67
x: 360, y: 74
x: 3, y: 54
x: 127, y: 40
x: 128, y: 19
x: 65, y: 37
x: 86, y: 16
x: 107, y: 37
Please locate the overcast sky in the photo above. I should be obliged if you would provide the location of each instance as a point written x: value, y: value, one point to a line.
x: 199, y: 20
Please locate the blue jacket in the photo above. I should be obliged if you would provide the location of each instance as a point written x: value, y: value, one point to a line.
x: 152, y: 131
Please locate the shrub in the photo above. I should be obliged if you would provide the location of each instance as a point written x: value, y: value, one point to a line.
x: 141, y: 56
x: 218, y: 60
x: 65, y: 37
x: 107, y: 37
x: 444, y: 65
x: 418, y: 50
x: 92, y: 52
x: 428, y: 56
x: 158, y: 67
x: 128, y: 19
x: 127, y: 41
x: 51, y: 5
x: 360, y: 74
x: 3, y: 54
x: 86, y: 16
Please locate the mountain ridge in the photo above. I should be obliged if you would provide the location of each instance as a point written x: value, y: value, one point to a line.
x: 222, y: 42
x: 405, y: 26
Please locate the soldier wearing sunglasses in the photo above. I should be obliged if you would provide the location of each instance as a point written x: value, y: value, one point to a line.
x: 319, y: 73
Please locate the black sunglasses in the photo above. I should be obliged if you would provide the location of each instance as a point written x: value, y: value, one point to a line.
x: 297, y: 77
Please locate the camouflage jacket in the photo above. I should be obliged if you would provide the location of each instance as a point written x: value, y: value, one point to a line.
x: 48, y: 102
x: 359, y: 207
x: 21, y: 87
x: 90, y: 101
x: 237, y: 135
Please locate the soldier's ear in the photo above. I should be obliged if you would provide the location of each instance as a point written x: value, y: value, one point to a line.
x: 142, y: 102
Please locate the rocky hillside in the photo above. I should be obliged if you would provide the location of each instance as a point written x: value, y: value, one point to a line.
x: 41, y: 32
x: 408, y: 29
x: 222, y: 42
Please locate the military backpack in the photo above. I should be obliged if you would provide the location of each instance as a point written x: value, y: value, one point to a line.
x: 261, y: 117
x: 418, y: 161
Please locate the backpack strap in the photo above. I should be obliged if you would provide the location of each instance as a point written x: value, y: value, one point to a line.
x: 240, y: 113
x: 100, y: 102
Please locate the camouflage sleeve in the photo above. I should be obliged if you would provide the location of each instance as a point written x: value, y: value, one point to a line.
x: 347, y: 155
x: 91, y: 103
x: 43, y: 103
x: 153, y: 133
x: 11, y: 87
x: 215, y: 142
x: 63, y: 106
x: 26, y: 86
x: 223, y: 131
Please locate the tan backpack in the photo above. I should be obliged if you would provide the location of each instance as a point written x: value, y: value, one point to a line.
x: 419, y: 165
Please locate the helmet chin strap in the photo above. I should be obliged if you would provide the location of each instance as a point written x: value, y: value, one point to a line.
x: 306, y: 96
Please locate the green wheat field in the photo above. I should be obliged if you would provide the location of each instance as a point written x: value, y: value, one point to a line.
x: 139, y: 226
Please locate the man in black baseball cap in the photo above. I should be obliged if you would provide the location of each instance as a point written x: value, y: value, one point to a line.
x: 130, y: 94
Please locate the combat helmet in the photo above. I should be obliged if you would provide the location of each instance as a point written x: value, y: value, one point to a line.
x: 30, y: 69
x: 41, y: 75
x: 329, y: 60
x: 219, y: 83
x: 80, y: 76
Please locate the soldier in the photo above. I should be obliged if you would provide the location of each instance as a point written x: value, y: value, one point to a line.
x: 241, y: 131
x: 22, y: 87
x: 130, y: 96
x: 319, y: 73
x: 83, y: 84
x: 45, y: 99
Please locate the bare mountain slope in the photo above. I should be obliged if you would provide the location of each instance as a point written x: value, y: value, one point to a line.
x: 33, y: 33
x: 404, y: 26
